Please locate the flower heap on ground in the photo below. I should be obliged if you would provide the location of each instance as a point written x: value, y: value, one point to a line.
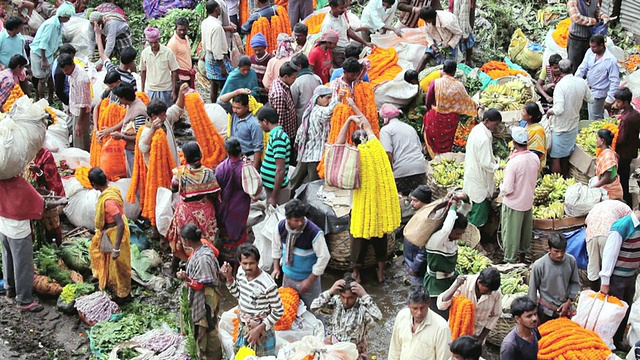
x: 461, y: 317
x: 210, y: 141
x: 498, y: 69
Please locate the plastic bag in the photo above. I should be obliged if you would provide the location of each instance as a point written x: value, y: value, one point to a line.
x: 164, y: 211
x: 74, y: 158
x: 218, y: 116
x: 580, y: 199
x: 396, y: 92
x: 75, y: 254
x: 264, y: 246
x: 310, y: 345
x: 599, y: 315
x: 22, y: 134
x: 56, y: 137
x: 633, y: 336
x: 274, y: 216
x: 577, y: 246
x: 79, y: 33
x: 112, y: 159
x: 131, y: 210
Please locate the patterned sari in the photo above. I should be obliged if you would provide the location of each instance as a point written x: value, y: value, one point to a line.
x: 194, y: 184
x: 447, y: 99
x: 608, y: 161
x: 538, y: 142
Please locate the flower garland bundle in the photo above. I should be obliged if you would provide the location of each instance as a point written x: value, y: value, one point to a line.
x: 143, y: 97
x: 110, y: 115
x: 462, y: 317
x: 290, y: 299
x: 366, y: 102
x: 610, y: 299
x: 384, y: 65
x: 281, y: 11
x: 259, y: 26
x: 158, y: 174
x: 245, y: 352
x: 54, y: 117
x: 498, y: 69
x: 243, y: 11
x: 421, y: 23
x: 376, y: 209
x: 210, y: 141
x: 632, y: 62
x: 614, y: 129
x: 561, y: 33
x: 272, y: 37
x: 282, y: 3
x: 565, y: 339
x: 16, y: 93
x: 139, y: 175
x: 314, y: 23
x: 82, y: 175
x: 236, y: 326
x: 340, y: 114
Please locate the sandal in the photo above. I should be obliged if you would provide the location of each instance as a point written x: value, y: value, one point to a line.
x: 33, y: 307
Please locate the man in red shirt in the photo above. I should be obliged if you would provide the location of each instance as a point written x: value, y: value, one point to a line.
x: 321, y: 56
x: 628, y: 142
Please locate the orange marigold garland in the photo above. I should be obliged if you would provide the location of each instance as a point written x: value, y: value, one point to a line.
x: 243, y: 11
x: 16, y: 93
x: 158, y: 173
x: 236, y: 326
x: 282, y: 3
x: 614, y: 129
x: 462, y: 317
x: 384, y: 65
x: 284, y: 17
x: 366, y: 102
x: 259, y: 26
x: 566, y: 339
x: 498, y: 69
x: 314, y: 23
x: 143, y: 96
x: 272, y: 37
x: 210, y: 141
x: 610, y: 299
x: 82, y: 175
x: 110, y: 115
x: 290, y: 299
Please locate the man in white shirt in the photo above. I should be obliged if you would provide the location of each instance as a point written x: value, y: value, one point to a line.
x: 419, y: 333
x: 337, y: 20
x: 443, y: 36
x: 216, y: 49
x: 568, y: 96
x: 479, y: 166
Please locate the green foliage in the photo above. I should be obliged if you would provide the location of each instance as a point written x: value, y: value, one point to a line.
x: 46, y: 260
x: 186, y: 324
x: 167, y: 25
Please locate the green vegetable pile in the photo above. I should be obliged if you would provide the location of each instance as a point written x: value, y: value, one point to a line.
x: 471, y: 261
x: 73, y: 291
x: 75, y: 253
x: 46, y: 261
x: 167, y: 24
x: 513, y: 283
x: 187, y: 324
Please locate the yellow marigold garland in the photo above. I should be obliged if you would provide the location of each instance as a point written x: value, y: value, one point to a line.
x: 314, y: 23
x: 54, y: 117
x: 462, y: 316
x: 376, y: 208
x: 210, y: 141
x: 143, y: 96
x: 158, y: 174
x: 82, y: 175
x: 565, y: 339
x: 290, y: 299
x: 16, y: 93
x: 561, y: 33
x: 614, y: 129
x: 384, y: 65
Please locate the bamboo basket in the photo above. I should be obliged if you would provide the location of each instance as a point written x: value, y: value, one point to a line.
x: 339, y: 245
x: 503, y: 327
x: 578, y: 175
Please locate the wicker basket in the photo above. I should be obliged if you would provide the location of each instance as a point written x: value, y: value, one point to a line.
x: 503, y: 327
x: 340, y: 249
x: 578, y: 175
x: 51, y: 218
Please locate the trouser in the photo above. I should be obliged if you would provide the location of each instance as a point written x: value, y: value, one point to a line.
x: 624, y: 172
x: 624, y: 288
x: 359, y: 247
x: 299, y: 10
x: 576, y: 48
x: 165, y: 96
x: 543, y: 317
x: 595, y: 248
x: 596, y: 110
x: 130, y: 154
x: 338, y: 57
x: 283, y: 196
x: 306, y: 297
x: 516, y: 232
x: 17, y: 265
x: 82, y: 140
x: 234, y: 20
x: 405, y: 185
x: 305, y: 172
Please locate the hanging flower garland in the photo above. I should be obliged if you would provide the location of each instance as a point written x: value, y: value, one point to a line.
x: 243, y: 11
x: 614, y: 129
x: 462, y: 317
x: 82, y: 175
x: 364, y: 97
x: 210, y: 141
x: 16, y: 93
x: 259, y: 26
x: 110, y: 115
x: 158, y: 173
x: 566, y: 339
x: 290, y: 299
x: 384, y: 65
x: 281, y: 3
x: 143, y: 97
x: 281, y: 11
x: 376, y: 209
x: 314, y: 23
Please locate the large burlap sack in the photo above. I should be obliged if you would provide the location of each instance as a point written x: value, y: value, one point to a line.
x: 425, y: 222
x: 22, y: 134
x: 580, y: 199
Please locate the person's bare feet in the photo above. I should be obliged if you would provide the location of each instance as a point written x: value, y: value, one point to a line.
x: 381, y: 277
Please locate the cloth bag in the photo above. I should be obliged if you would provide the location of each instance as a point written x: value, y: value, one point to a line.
x: 251, y: 180
x: 599, y: 315
x: 342, y: 166
x: 580, y: 199
x: 425, y: 222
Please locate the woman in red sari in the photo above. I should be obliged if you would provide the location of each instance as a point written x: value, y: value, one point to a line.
x: 197, y: 186
x: 447, y: 99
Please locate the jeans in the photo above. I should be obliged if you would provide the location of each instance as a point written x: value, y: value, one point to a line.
x: 17, y: 263
x: 308, y: 296
x: 596, y: 110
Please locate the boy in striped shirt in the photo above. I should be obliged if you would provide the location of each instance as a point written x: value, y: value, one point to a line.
x: 277, y: 155
x: 259, y: 304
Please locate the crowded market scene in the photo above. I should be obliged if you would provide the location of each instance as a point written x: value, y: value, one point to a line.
x: 320, y: 179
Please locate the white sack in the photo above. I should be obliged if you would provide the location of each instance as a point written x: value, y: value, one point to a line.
x: 599, y: 316
x: 164, y: 210
x: 579, y: 199
x: 219, y: 118
x: 396, y: 92
x: 57, y: 137
x: 74, y: 157
x: 79, y: 33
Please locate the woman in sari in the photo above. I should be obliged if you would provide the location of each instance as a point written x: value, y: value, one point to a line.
x: 234, y: 204
x: 195, y: 184
x: 113, y: 268
x: 243, y: 77
x: 607, y: 165
x: 447, y: 99
x: 531, y: 116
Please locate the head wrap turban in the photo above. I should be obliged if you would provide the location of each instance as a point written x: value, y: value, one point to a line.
x: 66, y: 10
x: 95, y: 16
x: 284, y: 46
x: 152, y: 34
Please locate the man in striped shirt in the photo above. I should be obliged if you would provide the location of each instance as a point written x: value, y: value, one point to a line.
x: 278, y: 153
x: 259, y: 304
x: 620, y: 262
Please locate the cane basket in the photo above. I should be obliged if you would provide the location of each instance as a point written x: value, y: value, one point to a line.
x: 503, y: 327
x: 575, y: 173
x: 340, y: 249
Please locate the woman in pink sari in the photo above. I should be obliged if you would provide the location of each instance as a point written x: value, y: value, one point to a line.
x: 447, y: 99
x: 607, y: 165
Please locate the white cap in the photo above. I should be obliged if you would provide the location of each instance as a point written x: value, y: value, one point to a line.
x: 520, y: 135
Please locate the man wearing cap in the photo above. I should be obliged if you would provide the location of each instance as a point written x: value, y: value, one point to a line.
x: 158, y: 69
x: 518, y: 189
x: 45, y: 44
x: 415, y: 257
x: 115, y: 30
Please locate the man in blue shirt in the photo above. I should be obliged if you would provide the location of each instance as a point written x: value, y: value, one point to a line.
x: 600, y: 68
x: 263, y: 9
x: 244, y: 126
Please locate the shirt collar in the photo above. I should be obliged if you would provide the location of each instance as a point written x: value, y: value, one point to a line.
x: 516, y: 153
x: 634, y: 219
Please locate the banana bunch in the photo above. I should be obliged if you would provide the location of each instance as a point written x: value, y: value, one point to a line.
x: 513, y: 283
x: 447, y: 173
x: 555, y: 210
x: 587, y: 136
x: 471, y: 261
x: 506, y: 97
x: 498, y: 175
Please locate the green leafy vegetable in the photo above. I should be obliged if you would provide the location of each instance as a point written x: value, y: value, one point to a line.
x: 46, y: 260
x: 73, y: 291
